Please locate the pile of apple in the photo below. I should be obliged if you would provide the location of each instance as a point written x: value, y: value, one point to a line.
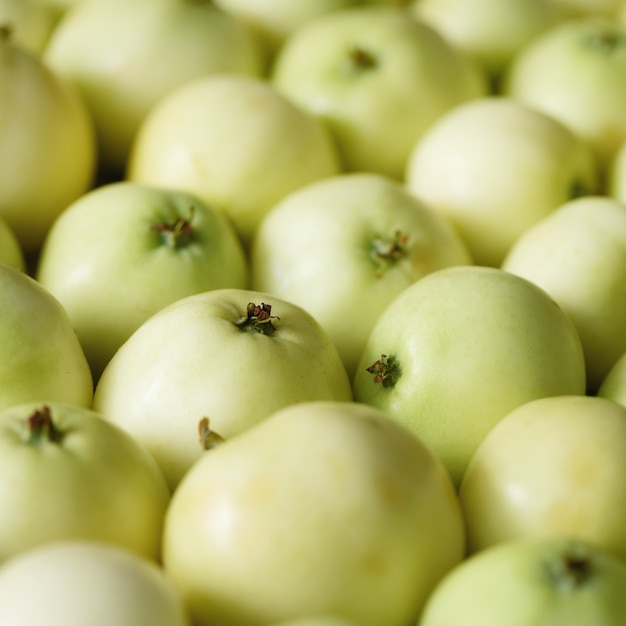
x: 312, y: 312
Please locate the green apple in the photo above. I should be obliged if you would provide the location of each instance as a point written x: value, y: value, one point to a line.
x: 613, y: 386
x: 235, y: 142
x: 47, y: 144
x: 323, y: 508
x: 10, y: 248
x: 460, y: 348
x: 556, y: 581
x: 378, y: 78
x: 74, y: 583
x: 123, y: 251
x: 495, y: 167
x: 231, y: 355
x: 576, y: 72
x: 123, y: 57
x: 551, y: 467
x: 490, y: 31
x: 578, y: 255
x: 31, y: 22
x: 69, y: 474
x: 42, y: 359
x: 343, y: 247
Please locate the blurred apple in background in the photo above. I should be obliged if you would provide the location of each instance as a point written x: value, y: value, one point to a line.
x: 87, y: 582
x: 235, y: 142
x: 613, y: 386
x: 378, y: 78
x: 123, y: 251
x: 47, y: 144
x: 495, y: 166
x: 576, y: 72
x: 231, y: 355
x: 324, y: 508
x: 10, y: 248
x: 490, y: 31
x: 460, y: 348
x: 31, y: 22
x: 543, y: 582
x: 42, y: 359
x: 578, y: 255
x: 551, y: 467
x: 343, y: 247
x: 123, y: 57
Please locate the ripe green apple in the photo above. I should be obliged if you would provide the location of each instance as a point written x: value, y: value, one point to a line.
x: 10, y: 248
x: 231, y: 355
x: 343, y: 247
x: 123, y: 57
x: 578, y: 255
x: 553, y: 466
x: 460, y: 348
x: 69, y: 474
x: 31, y: 22
x: 323, y: 508
x: 235, y: 142
x: 47, y: 144
x: 42, y: 359
x: 576, y: 72
x: 495, y: 167
x: 556, y: 581
x: 378, y: 78
x: 74, y: 583
x: 123, y: 251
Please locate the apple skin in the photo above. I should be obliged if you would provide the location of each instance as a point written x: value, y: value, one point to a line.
x: 460, y: 348
x: 323, y: 508
x: 568, y: 479
x: 236, y: 143
x: 87, y: 582
x: 495, y: 167
x: 42, y: 359
x: 378, y: 78
x: 195, y: 359
x: 576, y: 72
x: 369, y: 227
x: 556, y: 581
x: 111, y: 269
x: 109, y: 52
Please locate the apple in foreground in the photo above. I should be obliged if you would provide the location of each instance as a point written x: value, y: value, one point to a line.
x: 123, y: 251
x: 343, y: 247
x: 231, y: 355
x: 74, y: 583
x: 495, y: 167
x: 69, y: 474
x: 460, y: 348
x: 42, y: 358
x: 553, y: 466
x: 323, y: 508
x: 543, y: 582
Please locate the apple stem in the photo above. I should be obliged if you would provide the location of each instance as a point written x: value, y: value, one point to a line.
x: 572, y: 569
x: 41, y: 428
x: 360, y: 60
x: 208, y: 437
x: 177, y: 233
x: 386, y: 370
x: 258, y: 319
x: 385, y: 251
x: 607, y: 40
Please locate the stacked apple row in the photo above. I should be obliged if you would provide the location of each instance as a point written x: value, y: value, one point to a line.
x: 312, y: 315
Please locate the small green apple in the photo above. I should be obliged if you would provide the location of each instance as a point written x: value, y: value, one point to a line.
x: 42, y: 359
x: 123, y: 251
x: 74, y: 583
x: 323, y: 508
x: 460, y: 348
x: 557, y: 581
x: 378, y: 78
x: 235, y: 142
x: 551, y: 467
x: 495, y: 167
x: 343, y: 247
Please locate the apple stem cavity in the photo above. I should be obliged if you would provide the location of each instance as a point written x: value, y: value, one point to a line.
x: 386, y: 370
x: 258, y: 319
x: 572, y: 569
x: 387, y: 251
x: 360, y: 60
x: 607, y: 40
x: 41, y: 428
x: 208, y: 437
x: 178, y: 233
